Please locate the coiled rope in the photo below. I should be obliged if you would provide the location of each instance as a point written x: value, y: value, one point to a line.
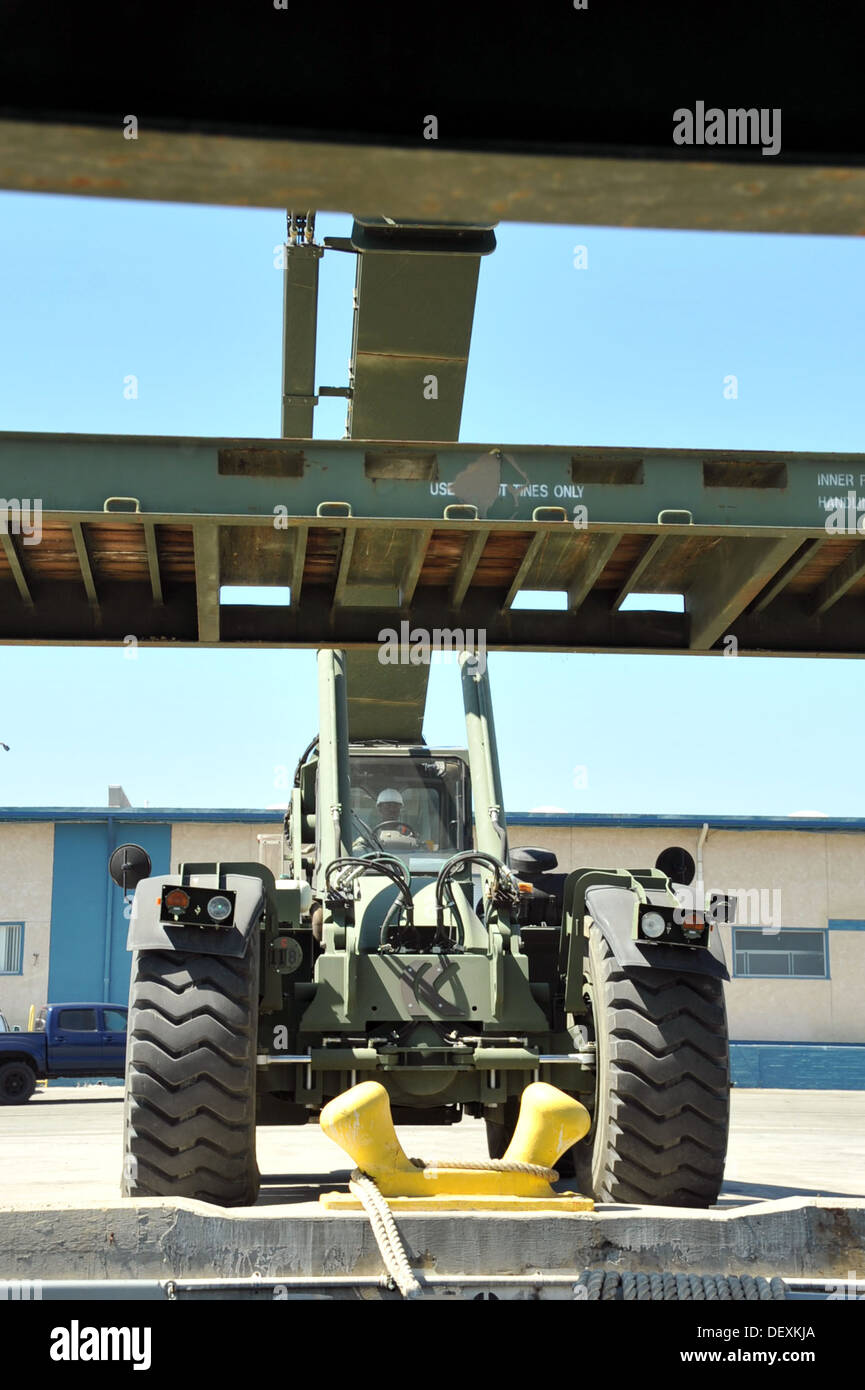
x: 601, y: 1285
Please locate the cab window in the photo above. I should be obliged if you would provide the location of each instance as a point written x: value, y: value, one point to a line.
x: 77, y: 1020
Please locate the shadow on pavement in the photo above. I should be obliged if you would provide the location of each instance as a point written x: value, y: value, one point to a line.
x: 77, y: 1100
x: 768, y: 1192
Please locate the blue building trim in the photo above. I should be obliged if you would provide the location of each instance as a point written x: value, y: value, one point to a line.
x: 137, y: 815
x: 845, y: 924
x: 790, y: 1066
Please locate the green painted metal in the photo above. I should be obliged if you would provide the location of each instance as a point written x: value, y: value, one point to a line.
x: 410, y: 347
x: 334, y: 787
x: 300, y: 318
x: 384, y: 701
x: 490, y: 823
x: 383, y: 480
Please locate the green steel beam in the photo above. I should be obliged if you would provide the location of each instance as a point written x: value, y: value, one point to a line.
x: 153, y: 561
x: 16, y: 568
x: 474, y: 548
x: 207, y: 577
x: 840, y: 580
x: 648, y: 557
x: 84, y: 564
x: 590, y: 564
x: 300, y: 320
x: 215, y: 512
x: 410, y: 346
x: 803, y: 557
x: 384, y: 701
x: 383, y: 480
x: 728, y: 579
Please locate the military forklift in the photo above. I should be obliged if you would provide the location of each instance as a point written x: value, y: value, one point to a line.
x: 403, y: 942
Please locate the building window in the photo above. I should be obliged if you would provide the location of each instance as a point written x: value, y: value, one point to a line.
x: 11, y: 947
x: 790, y: 953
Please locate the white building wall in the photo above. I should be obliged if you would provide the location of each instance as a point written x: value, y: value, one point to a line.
x: 26, y: 874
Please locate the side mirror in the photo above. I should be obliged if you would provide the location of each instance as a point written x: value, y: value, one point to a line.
x: 528, y: 862
x: 128, y: 865
x: 677, y: 864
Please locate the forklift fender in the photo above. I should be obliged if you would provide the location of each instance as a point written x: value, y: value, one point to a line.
x: 147, y: 932
x: 615, y: 912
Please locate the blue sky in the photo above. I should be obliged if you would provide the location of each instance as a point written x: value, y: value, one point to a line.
x: 631, y: 350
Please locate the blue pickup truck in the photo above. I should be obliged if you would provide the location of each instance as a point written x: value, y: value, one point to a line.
x: 68, y: 1040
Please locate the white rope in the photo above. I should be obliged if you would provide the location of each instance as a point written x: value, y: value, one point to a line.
x: 384, y: 1227
x: 386, y: 1234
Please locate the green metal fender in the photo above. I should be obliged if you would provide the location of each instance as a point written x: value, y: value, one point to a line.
x: 148, y: 932
x: 614, y: 908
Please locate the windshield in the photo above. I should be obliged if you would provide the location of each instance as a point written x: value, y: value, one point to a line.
x: 409, y: 805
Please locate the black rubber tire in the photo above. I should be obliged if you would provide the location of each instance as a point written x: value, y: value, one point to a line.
x: 499, y: 1135
x: 189, y: 1115
x: 17, y: 1083
x: 659, y: 1132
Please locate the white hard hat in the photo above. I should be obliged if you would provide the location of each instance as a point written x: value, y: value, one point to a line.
x: 389, y: 796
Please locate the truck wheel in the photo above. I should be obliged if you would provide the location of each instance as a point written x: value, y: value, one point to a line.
x: 501, y: 1132
x: 17, y: 1083
x: 189, y: 1116
x: 659, y: 1131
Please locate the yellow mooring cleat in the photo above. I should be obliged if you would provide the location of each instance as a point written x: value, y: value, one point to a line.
x: 549, y: 1123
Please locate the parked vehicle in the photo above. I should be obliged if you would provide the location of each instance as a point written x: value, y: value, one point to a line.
x: 4, y: 1026
x: 68, y: 1040
x: 399, y: 952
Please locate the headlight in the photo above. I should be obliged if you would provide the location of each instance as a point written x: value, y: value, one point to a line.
x: 653, y: 925
x: 218, y: 908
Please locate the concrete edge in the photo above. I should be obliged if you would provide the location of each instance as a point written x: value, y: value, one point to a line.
x: 156, y: 1239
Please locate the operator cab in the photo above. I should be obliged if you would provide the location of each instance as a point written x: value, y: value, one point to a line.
x: 412, y: 802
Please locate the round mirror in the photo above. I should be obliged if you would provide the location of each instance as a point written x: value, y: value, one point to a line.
x: 128, y: 865
x: 677, y: 864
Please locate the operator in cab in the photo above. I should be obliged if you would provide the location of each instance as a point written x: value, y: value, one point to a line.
x: 391, y: 830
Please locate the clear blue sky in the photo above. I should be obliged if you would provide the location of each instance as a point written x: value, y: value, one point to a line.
x: 632, y: 350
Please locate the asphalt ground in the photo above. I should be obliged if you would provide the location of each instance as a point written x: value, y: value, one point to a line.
x: 65, y: 1146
